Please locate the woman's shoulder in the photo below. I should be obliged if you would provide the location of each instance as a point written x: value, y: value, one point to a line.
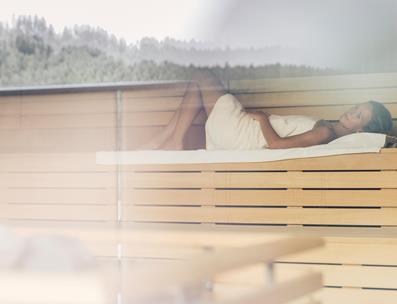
x: 326, y: 125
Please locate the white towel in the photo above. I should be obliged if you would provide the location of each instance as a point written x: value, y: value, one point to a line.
x: 349, y: 144
x: 229, y: 127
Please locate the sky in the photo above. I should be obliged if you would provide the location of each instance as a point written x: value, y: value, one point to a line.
x: 331, y: 31
x: 130, y: 19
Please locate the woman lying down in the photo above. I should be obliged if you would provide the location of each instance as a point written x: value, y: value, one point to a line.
x: 230, y: 127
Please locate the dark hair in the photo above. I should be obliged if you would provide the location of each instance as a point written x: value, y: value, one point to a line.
x: 381, y: 121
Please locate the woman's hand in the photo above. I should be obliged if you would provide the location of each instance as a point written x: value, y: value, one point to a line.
x: 257, y: 115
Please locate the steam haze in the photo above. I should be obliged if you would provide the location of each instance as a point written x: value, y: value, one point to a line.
x: 335, y: 33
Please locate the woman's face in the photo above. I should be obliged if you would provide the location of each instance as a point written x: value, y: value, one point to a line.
x: 357, y: 117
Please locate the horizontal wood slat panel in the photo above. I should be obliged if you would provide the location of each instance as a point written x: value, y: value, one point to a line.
x: 288, y: 99
x: 163, y: 90
x: 290, y: 197
x: 333, y: 275
x: 58, y: 180
x: 385, y: 160
x: 290, y: 216
x: 45, y: 106
x: 51, y: 162
x: 155, y: 118
x: 351, y: 295
x: 60, y: 121
x: 350, y: 250
x: 57, y: 140
x: 10, y: 105
x: 58, y: 196
x: 58, y: 212
x: 134, y: 137
x: 67, y: 96
x: 155, y: 104
x: 375, y: 80
x: 375, y: 179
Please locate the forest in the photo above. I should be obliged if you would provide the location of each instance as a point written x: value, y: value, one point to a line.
x: 33, y: 53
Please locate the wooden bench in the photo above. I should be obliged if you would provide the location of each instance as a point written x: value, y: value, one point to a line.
x: 49, y: 137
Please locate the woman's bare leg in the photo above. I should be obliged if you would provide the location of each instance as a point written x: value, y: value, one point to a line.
x: 164, y: 134
x: 189, y: 108
x: 202, y: 92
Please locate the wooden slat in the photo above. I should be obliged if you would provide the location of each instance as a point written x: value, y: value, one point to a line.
x: 385, y: 160
x: 58, y: 196
x: 10, y: 105
x: 58, y: 212
x: 290, y: 179
x: 291, y: 216
x: 155, y: 118
x: 134, y: 137
x: 59, y: 121
x: 164, y: 90
x: 351, y: 250
x: 9, y: 122
x: 46, y: 105
x: 305, y: 98
x: 289, y: 197
x: 51, y: 162
x: 375, y: 80
x: 350, y: 295
x: 57, y: 140
x: 324, y: 296
x: 58, y: 180
x: 59, y: 97
x: 147, y: 104
x: 333, y: 275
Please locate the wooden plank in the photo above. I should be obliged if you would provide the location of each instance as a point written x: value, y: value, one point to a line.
x: 350, y: 250
x: 58, y: 196
x: 350, y: 295
x: 290, y: 179
x: 164, y: 90
x: 305, y: 98
x: 385, y: 160
x: 9, y: 122
x: 288, y: 197
x: 134, y: 137
x: 148, y: 104
x: 334, y: 82
x: 261, y: 216
x: 324, y: 296
x: 47, y: 105
x: 333, y: 275
x: 52, y: 162
x: 10, y: 105
x: 58, y: 212
x: 60, y: 121
x: 58, y: 180
x: 155, y: 118
x: 57, y: 140
x: 373, y: 251
x: 69, y: 96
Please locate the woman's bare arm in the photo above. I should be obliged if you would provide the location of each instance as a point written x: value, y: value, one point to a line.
x: 316, y: 136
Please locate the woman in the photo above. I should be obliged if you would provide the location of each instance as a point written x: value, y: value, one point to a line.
x: 229, y: 126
